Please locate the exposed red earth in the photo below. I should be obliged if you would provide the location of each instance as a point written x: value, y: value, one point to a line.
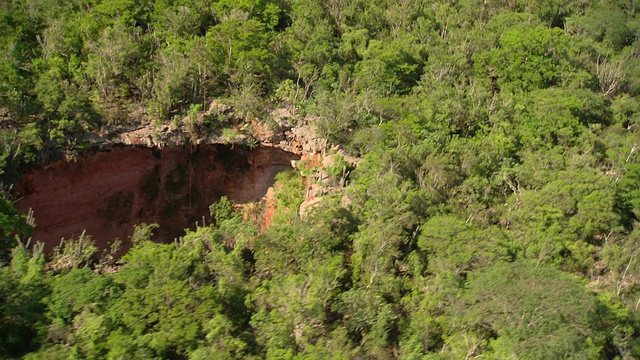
x: 106, y: 193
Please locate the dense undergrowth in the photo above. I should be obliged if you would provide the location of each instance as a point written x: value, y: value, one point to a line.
x: 495, y: 211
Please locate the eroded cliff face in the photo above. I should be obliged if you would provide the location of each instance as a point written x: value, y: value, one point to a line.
x: 106, y: 193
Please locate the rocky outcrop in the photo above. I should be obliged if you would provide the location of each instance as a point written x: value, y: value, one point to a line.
x: 283, y: 131
x: 170, y: 174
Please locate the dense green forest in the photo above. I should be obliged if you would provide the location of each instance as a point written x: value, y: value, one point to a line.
x: 495, y: 212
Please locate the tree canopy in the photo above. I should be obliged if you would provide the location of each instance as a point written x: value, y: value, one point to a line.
x: 494, y: 211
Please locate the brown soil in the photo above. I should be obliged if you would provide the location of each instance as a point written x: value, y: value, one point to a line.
x: 107, y: 193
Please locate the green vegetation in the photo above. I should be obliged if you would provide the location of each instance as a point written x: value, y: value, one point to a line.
x: 495, y: 212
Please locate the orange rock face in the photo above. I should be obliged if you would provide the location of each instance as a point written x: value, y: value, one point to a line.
x: 107, y: 193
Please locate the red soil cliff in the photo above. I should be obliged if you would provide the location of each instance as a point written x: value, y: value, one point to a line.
x: 107, y: 193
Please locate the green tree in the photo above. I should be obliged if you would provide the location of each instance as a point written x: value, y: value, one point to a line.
x: 452, y: 245
x: 14, y: 226
x: 22, y: 311
x: 531, y: 58
x: 533, y: 312
x: 628, y: 197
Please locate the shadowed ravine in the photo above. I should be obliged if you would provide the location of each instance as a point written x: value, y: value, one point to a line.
x: 106, y: 193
